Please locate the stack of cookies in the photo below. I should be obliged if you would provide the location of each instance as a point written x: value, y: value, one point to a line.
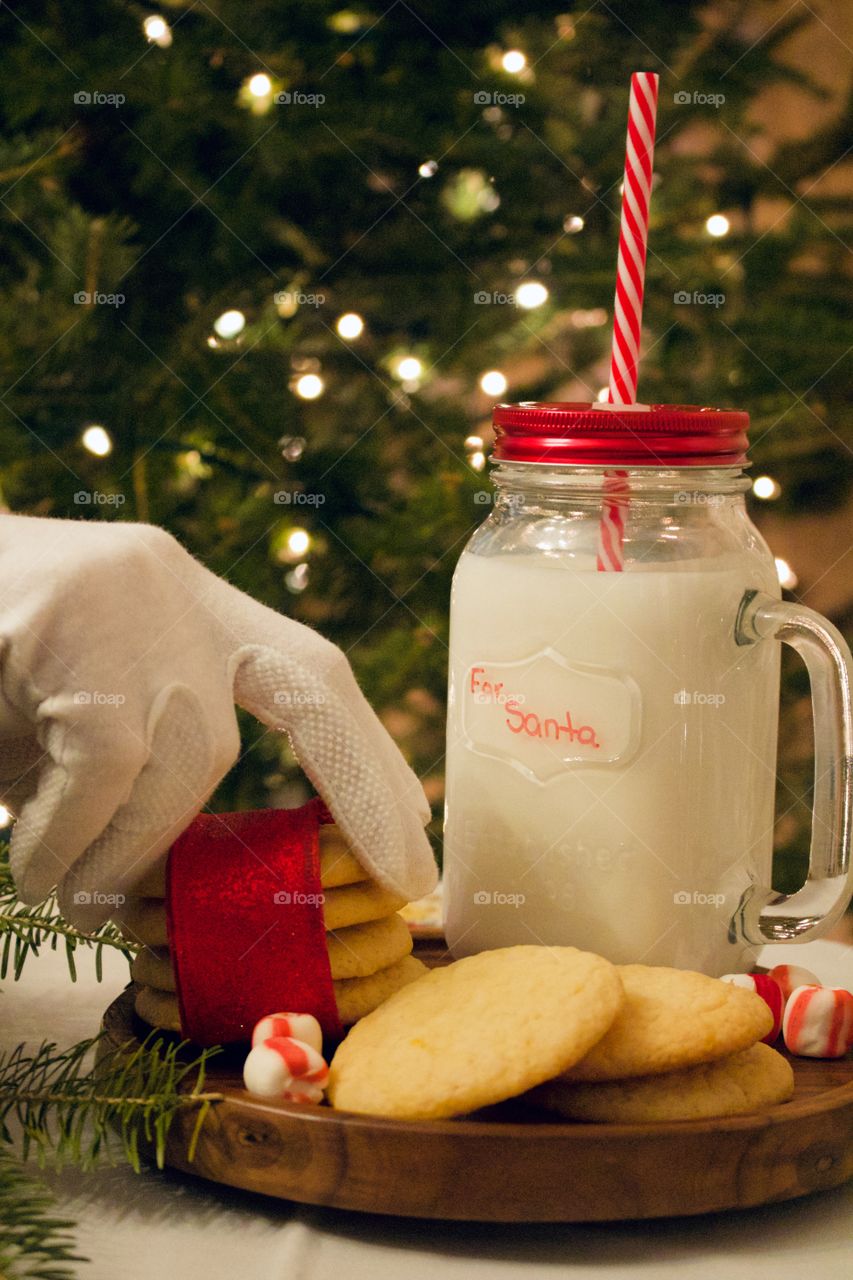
x: 683, y: 1047
x: 369, y: 943
x: 567, y: 1031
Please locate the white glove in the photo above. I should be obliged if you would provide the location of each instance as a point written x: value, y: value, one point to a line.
x: 121, y: 658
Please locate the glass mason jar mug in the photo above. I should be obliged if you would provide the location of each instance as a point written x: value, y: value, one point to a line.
x: 614, y: 694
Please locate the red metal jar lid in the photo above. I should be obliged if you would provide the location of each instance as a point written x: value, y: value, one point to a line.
x: 595, y: 435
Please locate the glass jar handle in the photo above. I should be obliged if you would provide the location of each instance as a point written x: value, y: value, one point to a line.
x: 763, y: 915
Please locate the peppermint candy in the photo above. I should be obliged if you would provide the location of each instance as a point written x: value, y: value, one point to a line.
x: 765, y: 986
x: 298, y: 1026
x: 791, y: 976
x: 818, y: 1022
x: 283, y: 1066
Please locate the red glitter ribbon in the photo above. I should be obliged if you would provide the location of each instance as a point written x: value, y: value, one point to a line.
x: 244, y: 911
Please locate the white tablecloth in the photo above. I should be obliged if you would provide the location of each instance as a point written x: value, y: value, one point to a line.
x: 171, y: 1227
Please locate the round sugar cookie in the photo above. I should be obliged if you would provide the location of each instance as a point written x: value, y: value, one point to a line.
x: 144, y: 919
x: 354, y: 997
x: 357, y: 997
x: 358, y: 903
x: 673, y: 1018
x: 158, y: 1008
x: 338, y: 866
x: 480, y: 1030
x: 356, y: 952
x: 152, y: 967
x: 363, y: 949
x: 755, y: 1077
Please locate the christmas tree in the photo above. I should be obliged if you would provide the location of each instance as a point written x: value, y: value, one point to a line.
x: 267, y: 267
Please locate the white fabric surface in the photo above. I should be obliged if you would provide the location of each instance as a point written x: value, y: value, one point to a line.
x: 121, y: 658
x: 173, y: 1227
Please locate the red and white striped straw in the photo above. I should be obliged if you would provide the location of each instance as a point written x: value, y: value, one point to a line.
x: 611, y: 523
x: 628, y: 306
x: 633, y: 238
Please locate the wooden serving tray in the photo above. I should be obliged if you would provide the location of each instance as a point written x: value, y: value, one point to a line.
x: 509, y: 1164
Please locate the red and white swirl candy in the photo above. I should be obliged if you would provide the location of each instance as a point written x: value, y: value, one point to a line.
x: 791, y: 976
x: 281, y: 1065
x: 299, y: 1026
x: 818, y: 1022
x: 768, y: 988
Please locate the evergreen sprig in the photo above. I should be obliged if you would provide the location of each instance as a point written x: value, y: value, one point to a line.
x: 34, y: 1245
x: 78, y: 1105
x: 24, y: 930
x: 62, y: 1112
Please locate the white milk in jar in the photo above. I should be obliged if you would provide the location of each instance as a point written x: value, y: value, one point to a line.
x: 611, y: 745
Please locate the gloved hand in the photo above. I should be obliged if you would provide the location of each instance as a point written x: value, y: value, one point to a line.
x: 121, y: 658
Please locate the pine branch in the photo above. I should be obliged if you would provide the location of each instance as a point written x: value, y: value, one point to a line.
x: 33, y: 1244
x: 24, y: 930
x: 64, y: 1113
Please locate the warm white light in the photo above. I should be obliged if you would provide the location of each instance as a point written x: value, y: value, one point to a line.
x: 494, y: 383
x: 292, y: 448
x: 603, y: 394
x: 531, y: 294
x: 260, y: 85
x: 298, y: 542
x: 5, y: 816
x: 787, y: 578
x: 717, y: 225
x: 350, y: 325
x: 588, y: 319
x: 297, y: 579
x: 473, y: 442
x: 477, y: 460
x: 409, y: 369
x: 766, y: 487
x: 513, y: 61
x: 157, y: 30
x: 309, y: 386
x: 97, y: 441
x: 229, y: 324
x: 428, y: 169
x: 573, y: 224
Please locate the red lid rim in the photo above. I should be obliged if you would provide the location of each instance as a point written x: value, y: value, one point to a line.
x: 584, y: 434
